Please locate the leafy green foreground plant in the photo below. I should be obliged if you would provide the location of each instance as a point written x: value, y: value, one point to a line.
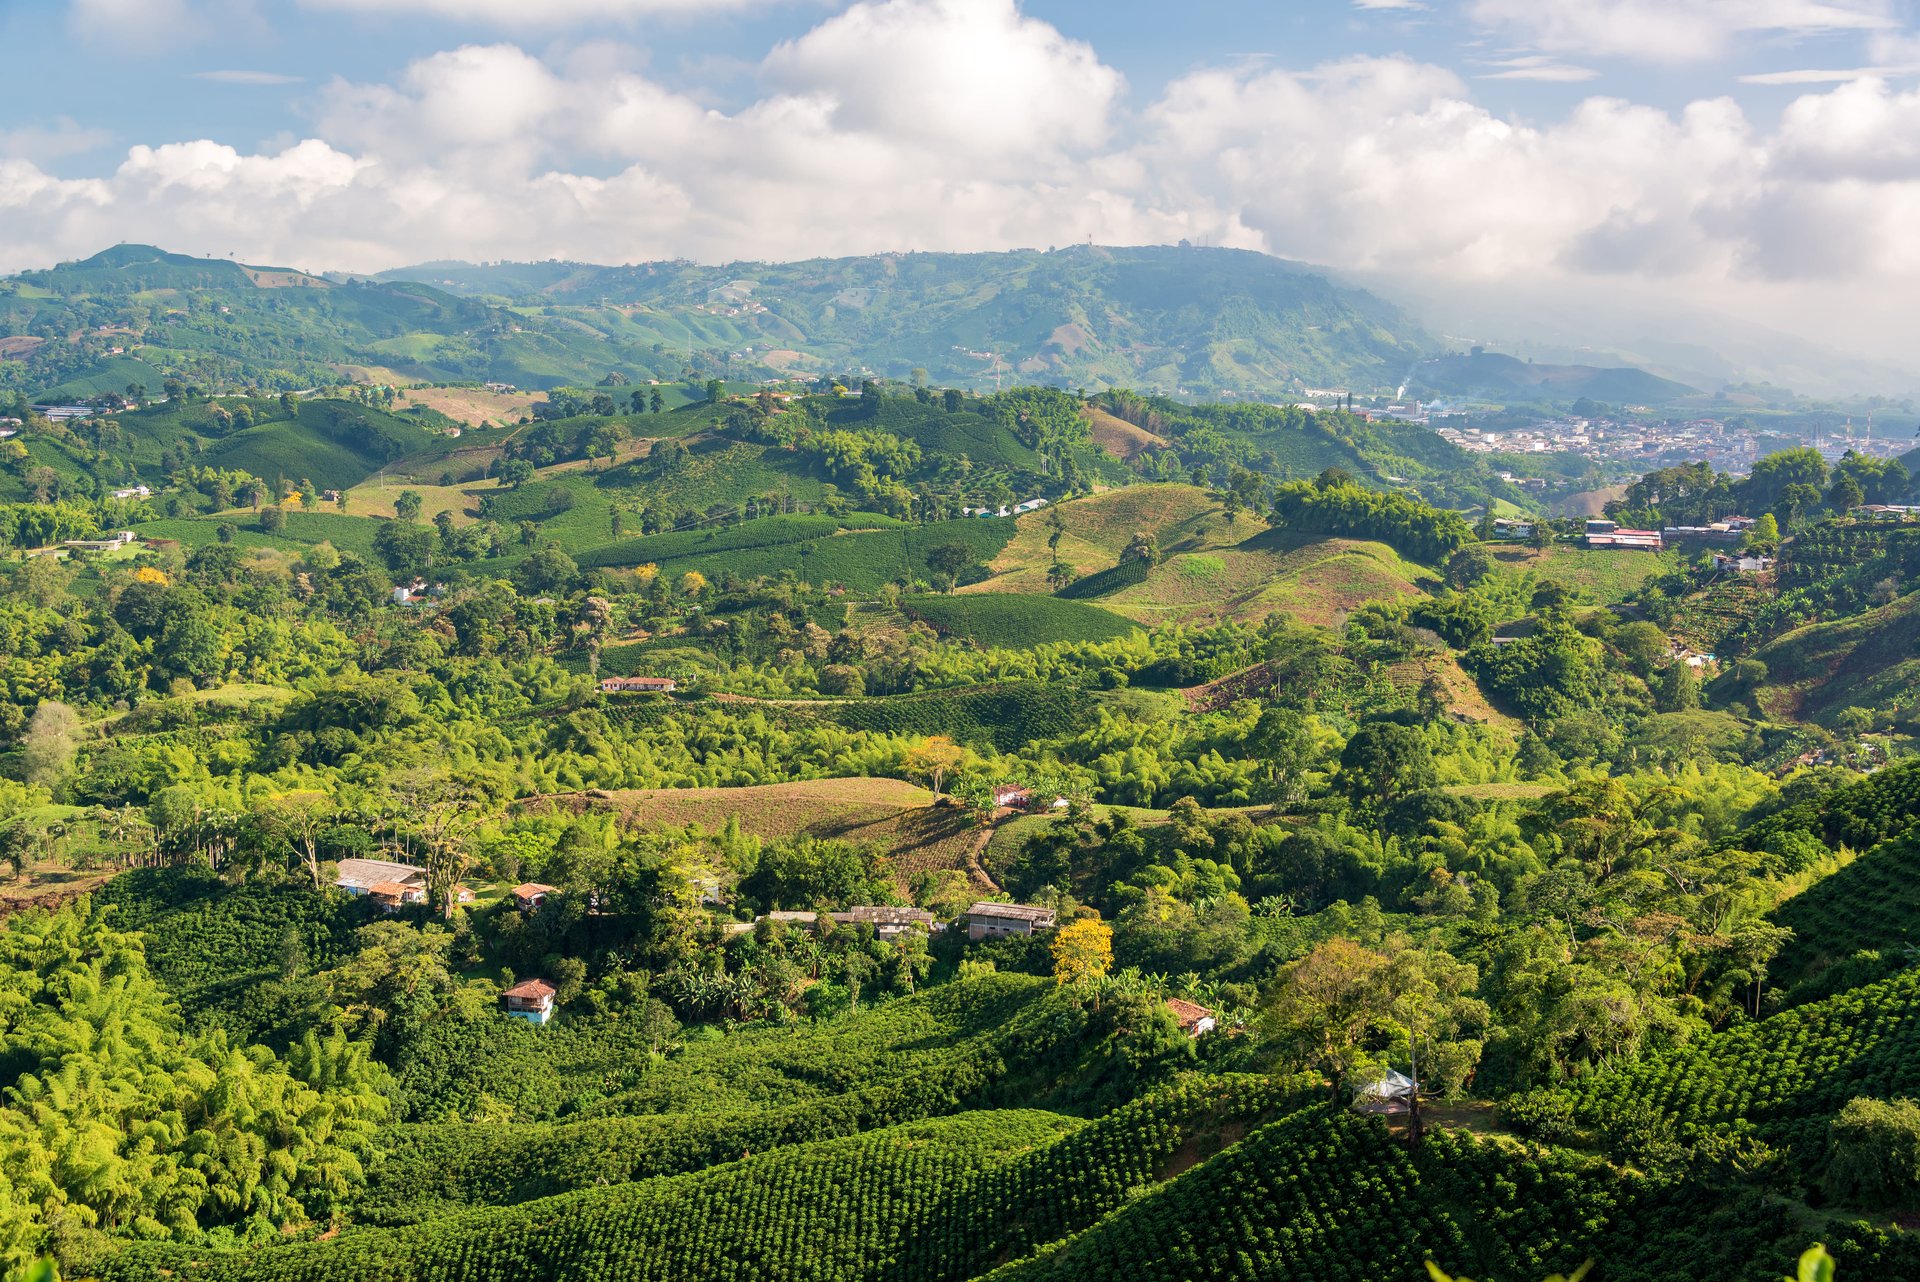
x: 120, y: 1121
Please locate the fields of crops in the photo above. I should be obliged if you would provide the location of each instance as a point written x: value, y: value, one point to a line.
x: 1016, y: 622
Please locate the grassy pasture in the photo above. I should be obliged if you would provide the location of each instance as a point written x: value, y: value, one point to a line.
x: 896, y: 818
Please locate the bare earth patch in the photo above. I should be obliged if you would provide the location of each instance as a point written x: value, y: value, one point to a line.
x: 470, y: 405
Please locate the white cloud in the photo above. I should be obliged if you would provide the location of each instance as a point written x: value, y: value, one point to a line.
x: 968, y: 76
x: 963, y: 125
x: 1826, y: 76
x: 535, y: 13
x: 40, y: 143
x: 1537, y: 67
x: 129, y: 21
x: 1671, y: 31
x: 237, y: 77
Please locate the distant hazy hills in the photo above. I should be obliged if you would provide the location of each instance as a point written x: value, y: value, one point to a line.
x: 1194, y: 322
x: 1185, y: 320
x: 1491, y: 376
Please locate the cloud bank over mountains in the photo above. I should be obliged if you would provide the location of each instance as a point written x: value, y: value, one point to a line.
x: 970, y: 125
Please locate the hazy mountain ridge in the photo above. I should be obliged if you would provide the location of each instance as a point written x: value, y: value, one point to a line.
x: 1192, y: 323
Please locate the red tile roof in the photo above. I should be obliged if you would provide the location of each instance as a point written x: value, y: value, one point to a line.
x: 534, y: 988
x: 1188, y: 1013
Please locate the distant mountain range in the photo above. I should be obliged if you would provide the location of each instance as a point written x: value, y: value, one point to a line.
x: 1197, y: 323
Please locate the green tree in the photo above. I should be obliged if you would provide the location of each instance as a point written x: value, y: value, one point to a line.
x: 1873, y: 1154
x: 51, y: 740
x: 950, y: 560
x: 1468, y: 566
x: 1141, y: 547
x: 1325, y: 1006
x: 407, y: 506
x: 1384, y: 762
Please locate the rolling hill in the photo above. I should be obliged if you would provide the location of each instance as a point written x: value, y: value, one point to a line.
x: 1185, y: 320
x: 1210, y: 569
x: 1487, y: 375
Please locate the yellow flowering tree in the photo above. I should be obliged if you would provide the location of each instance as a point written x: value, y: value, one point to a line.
x: 1082, y: 952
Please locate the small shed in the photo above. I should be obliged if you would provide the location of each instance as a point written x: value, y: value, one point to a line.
x: 395, y: 894
x: 529, y: 895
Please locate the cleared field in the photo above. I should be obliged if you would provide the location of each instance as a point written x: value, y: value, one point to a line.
x: 1502, y: 791
x: 376, y: 497
x: 1464, y: 696
x: 1118, y: 437
x: 1212, y: 569
x: 470, y: 405
x: 1099, y: 527
x: 896, y: 818
x: 1604, y: 575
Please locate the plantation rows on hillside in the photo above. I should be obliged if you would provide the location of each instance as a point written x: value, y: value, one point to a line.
x: 1779, y: 1078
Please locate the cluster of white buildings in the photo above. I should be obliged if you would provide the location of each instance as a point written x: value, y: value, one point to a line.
x: 1018, y: 509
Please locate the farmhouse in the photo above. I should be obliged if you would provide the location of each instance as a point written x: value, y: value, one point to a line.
x: 888, y: 922
x: 1630, y: 540
x: 530, y: 999
x: 1884, y: 512
x: 1742, y: 563
x: 1718, y: 532
x: 100, y: 545
x: 1194, y: 1018
x: 392, y: 895
x: 529, y: 895
x: 637, y: 685
x: 133, y: 492
x: 365, y: 876
x: 1011, y: 796
x: 991, y: 921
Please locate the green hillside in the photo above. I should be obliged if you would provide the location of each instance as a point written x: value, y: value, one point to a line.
x: 1863, y: 661
x: 1006, y: 620
x: 1492, y: 376
x: 1190, y: 320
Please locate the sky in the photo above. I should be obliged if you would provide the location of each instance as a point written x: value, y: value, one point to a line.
x: 1758, y: 157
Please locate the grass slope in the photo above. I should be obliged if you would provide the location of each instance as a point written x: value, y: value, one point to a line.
x: 1601, y: 575
x: 1017, y: 621
x: 1866, y: 661
x: 1211, y: 569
